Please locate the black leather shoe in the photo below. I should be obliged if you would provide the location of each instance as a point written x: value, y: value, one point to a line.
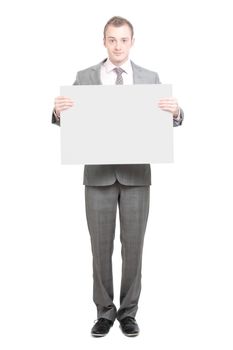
x: 129, y: 326
x: 101, y: 328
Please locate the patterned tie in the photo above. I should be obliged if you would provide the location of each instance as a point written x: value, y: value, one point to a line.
x: 119, y: 79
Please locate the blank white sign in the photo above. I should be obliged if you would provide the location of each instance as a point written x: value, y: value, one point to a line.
x: 116, y: 124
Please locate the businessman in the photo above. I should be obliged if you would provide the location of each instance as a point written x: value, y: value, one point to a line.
x: 124, y: 185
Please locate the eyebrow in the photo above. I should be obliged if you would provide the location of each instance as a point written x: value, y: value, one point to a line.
x: 112, y: 37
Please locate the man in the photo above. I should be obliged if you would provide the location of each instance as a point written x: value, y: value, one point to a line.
x: 125, y: 185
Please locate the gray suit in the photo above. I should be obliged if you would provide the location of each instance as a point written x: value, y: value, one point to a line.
x: 132, y: 174
x: 125, y: 185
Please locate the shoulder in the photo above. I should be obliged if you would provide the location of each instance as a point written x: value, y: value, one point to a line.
x: 146, y: 73
x: 89, y: 75
x: 91, y: 68
x: 137, y: 67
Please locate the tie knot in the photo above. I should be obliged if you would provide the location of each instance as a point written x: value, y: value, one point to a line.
x: 118, y: 70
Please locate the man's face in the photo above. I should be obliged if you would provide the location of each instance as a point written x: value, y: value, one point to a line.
x: 118, y: 43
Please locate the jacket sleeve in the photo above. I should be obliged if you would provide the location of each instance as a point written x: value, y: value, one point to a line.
x: 54, y: 119
x: 180, y: 121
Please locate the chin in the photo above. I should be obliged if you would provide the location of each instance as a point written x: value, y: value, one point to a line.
x: 119, y: 59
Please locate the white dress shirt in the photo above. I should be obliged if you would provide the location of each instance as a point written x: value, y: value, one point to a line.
x: 108, y: 75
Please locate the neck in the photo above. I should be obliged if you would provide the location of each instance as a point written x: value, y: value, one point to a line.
x: 118, y: 63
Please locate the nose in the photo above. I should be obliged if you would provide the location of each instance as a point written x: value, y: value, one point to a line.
x: 117, y: 46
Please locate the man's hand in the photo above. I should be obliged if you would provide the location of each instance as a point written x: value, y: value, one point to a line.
x: 169, y: 104
x: 62, y: 103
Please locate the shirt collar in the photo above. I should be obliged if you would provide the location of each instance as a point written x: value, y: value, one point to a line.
x: 109, y: 66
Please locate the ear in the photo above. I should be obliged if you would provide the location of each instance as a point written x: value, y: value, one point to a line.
x: 132, y: 43
x: 104, y: 42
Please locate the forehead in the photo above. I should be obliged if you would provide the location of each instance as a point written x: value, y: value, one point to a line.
x: 118, y: 32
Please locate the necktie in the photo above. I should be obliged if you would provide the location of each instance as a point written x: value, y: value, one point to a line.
x: 119, y: 78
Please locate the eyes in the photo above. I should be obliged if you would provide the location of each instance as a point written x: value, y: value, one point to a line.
x: 114, y: 41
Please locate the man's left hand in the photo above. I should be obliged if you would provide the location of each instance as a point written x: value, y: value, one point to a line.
x: 169, y: 104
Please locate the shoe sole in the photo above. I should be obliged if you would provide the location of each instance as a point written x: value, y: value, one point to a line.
x: 98, y: 335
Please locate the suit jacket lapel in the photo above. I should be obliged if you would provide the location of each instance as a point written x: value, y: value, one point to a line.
x: 137, y: 73
x: 96, y: 73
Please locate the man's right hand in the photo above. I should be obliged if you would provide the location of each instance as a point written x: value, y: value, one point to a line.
x: 61, y: 103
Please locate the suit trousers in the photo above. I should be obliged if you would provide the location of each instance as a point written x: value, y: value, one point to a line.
x: 101, y: 206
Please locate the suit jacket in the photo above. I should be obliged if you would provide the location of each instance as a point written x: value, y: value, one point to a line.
x: 126, y: 174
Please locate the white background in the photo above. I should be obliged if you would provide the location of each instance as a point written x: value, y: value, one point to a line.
x: 46, y: 273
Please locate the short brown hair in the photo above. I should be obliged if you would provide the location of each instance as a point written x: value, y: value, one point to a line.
x: 118, y: 21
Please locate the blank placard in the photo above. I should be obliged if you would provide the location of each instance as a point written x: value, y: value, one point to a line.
x: 116, y: 124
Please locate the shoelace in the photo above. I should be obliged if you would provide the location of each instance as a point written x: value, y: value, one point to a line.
x: 101, y: 320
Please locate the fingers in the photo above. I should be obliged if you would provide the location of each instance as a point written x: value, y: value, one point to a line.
x: 168, y: 104
x: 62, y: 103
